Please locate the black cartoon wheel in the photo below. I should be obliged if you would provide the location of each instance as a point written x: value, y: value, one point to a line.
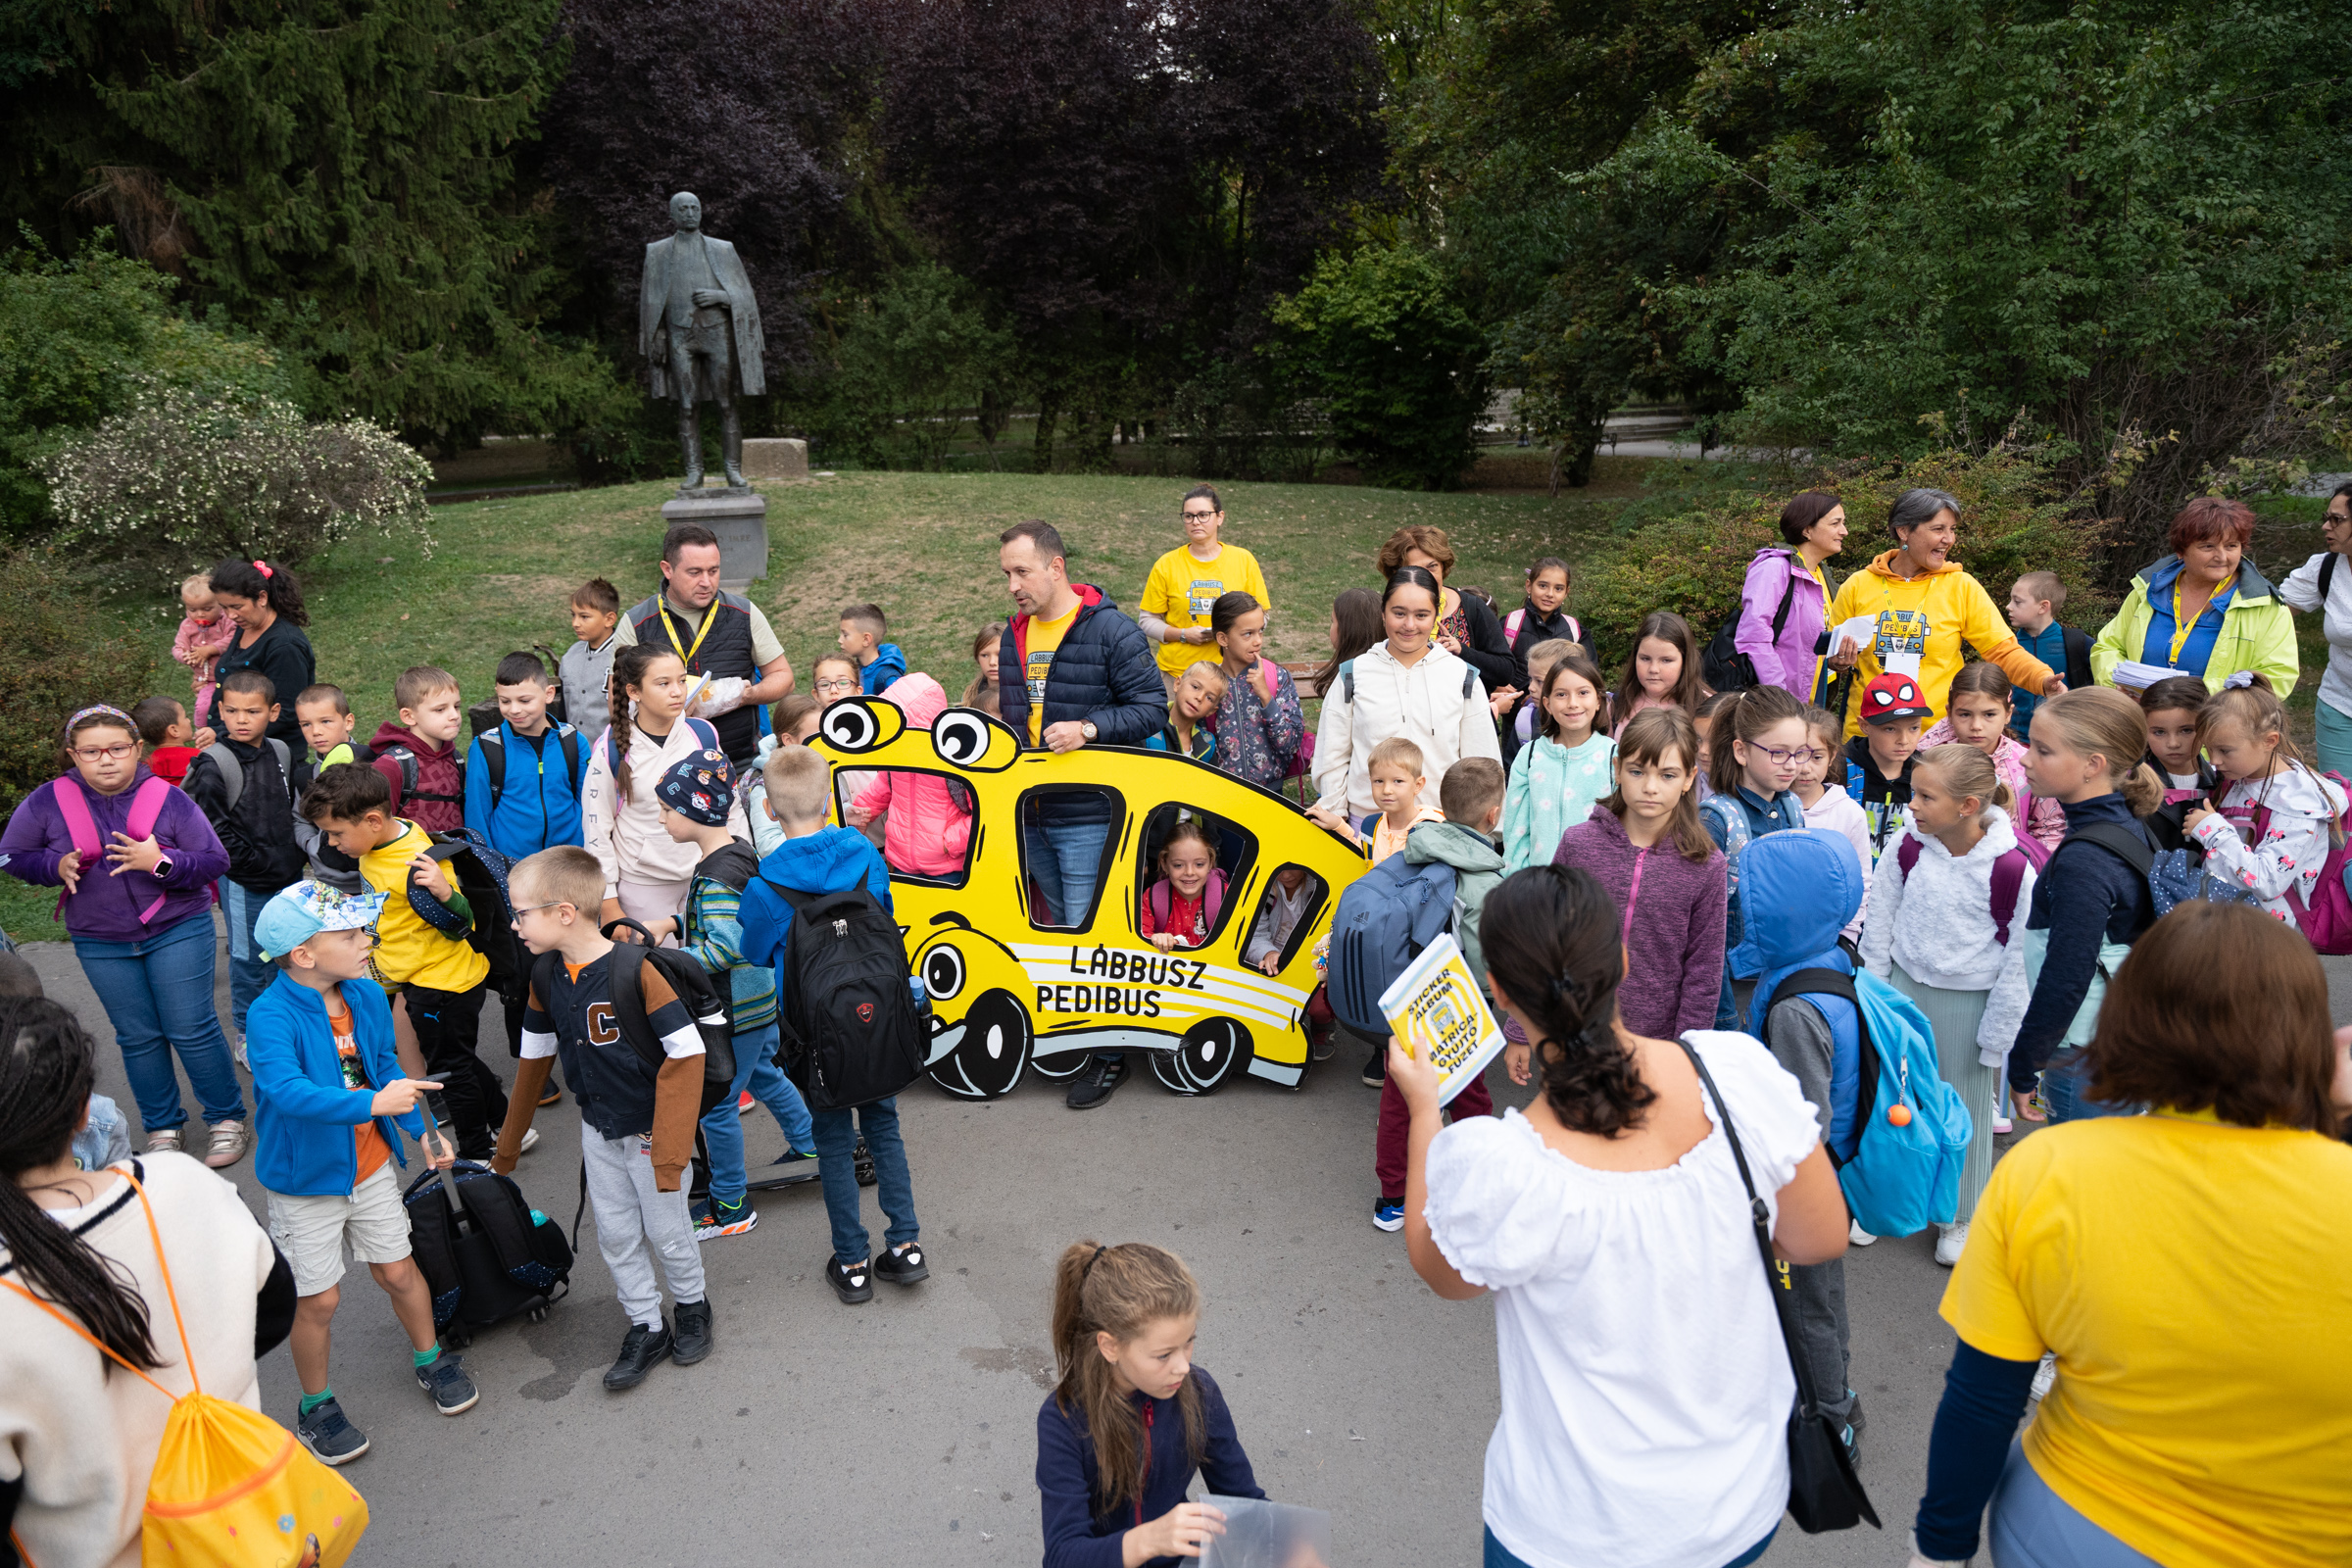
x: 988, y: 1060
x: 1212, y: 1053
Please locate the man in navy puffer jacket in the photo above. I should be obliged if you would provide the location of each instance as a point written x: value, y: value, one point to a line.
x: 1072, y: 671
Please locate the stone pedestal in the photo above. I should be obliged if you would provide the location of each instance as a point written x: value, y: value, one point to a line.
x: 740, y: 520
x: 775, y: 458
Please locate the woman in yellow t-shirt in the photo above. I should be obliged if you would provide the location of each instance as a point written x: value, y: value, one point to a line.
x: 2190, y: 1269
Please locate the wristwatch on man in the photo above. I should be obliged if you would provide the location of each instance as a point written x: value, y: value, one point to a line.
x: 1087, y: 729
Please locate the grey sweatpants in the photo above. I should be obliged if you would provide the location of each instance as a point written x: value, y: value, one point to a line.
x: 631, y: 1212
x: 1818, y: 1293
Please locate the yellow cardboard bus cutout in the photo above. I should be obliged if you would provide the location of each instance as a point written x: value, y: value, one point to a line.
x: 1016, y: 985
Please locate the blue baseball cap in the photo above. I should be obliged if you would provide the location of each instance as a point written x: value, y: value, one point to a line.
x: 295, y: 914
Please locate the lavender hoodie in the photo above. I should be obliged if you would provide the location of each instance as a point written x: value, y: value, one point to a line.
x: 1672, y: 913
x: 107, y: 909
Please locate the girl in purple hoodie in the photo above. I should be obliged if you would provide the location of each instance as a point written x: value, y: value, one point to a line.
x: 140, y: 913
x: 1646, y: 844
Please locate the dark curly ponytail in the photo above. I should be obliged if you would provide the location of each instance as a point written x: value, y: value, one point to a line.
x: 46, y: 1071
x: 1553, y: 947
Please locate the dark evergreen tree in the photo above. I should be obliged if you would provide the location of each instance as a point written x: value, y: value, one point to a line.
x: 338, y: 175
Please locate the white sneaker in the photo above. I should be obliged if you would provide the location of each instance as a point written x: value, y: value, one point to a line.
x: 238, y: 1052
x: 1855, y: 1234
x: 2002, y: 1127
x: 1949, y: 1240
x: 531, y: 1140
x: 165, y: 1142
x: 2044, y: 1376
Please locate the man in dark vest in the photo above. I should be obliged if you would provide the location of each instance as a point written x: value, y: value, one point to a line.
x: 719, y: 634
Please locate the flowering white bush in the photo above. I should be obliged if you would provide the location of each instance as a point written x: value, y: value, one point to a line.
x: 183, y: 479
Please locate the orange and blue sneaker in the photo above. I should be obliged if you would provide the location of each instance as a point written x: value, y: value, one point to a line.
x: 712, y: 1219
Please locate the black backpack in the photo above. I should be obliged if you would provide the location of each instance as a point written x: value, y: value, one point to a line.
x: 408, y: 791
x: 696, y: 988
x: 1724, y: 666
x: 851, y: 1035
x: 484, y: 1254
x: 479, y: 873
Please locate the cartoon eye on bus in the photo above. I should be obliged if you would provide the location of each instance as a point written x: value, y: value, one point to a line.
x: 1023, y: 982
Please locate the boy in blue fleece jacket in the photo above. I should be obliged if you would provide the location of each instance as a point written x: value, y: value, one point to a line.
x: 329, y: 1089
x: 862, y: 629
x: 817, y: 859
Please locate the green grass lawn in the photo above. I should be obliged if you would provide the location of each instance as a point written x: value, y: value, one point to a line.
x: 922, y: 546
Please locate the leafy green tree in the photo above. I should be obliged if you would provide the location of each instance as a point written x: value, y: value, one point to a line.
x: 917, y: 363
x: 1383, y: 342
x: 78, y: 340
x: 2111, y: 229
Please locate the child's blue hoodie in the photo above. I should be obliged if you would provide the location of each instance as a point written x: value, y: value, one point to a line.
x: 1802, y: 886
x: 304, y: 1116
x: 831, y: 859
x: 890, y: 662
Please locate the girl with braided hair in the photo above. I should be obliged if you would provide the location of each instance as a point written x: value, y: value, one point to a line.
x: 1131, y: 1418
x: 79, y: 1257
x: 647, y: 873
x: 1645, y: 1386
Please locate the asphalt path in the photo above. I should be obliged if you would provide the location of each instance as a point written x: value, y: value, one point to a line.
x: 902, y: 1431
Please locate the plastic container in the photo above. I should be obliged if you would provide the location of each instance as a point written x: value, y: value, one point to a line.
x: 1268, y: 1535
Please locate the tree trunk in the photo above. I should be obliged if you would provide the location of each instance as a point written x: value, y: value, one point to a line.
x: 1049, y: 412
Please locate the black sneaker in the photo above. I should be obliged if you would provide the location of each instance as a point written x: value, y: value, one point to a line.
x: 643, y: 1350
x: 1095, y: 1085
x: 330, y: 1439
x: 444, y: 1378
x: 693, y: 1341
x: 903, y: 1265
x: 792, y: 1167
x: 1376, y: 1067
x: 854, y: 1283
x: 863, y: 1165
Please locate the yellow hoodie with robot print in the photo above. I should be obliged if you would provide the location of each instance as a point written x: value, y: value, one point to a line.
x: 1927, y: 618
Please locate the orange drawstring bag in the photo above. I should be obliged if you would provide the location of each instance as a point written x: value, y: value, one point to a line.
x: 230, y: 1489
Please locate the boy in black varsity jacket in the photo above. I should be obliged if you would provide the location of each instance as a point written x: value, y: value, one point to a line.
x: 636, y: 1122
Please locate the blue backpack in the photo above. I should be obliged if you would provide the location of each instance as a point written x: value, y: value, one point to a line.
x: 1384, y: 920
x: 1904, y: 1173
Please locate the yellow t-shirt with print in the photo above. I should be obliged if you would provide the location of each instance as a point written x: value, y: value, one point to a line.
x: 412, y: 952
x: 2194, y: 1279
x: 1181, y: 589
x: 1045, y: 637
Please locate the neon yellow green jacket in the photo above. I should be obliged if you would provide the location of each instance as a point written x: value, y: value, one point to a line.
x: 2257, y: 630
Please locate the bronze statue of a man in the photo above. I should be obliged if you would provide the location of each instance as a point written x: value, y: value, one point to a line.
x: 698, y: 326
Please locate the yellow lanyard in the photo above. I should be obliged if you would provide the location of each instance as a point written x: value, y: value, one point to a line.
x: 2181, y: 628
x: 704, y: 630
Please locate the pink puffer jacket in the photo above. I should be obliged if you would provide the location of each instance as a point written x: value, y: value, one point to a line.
x: 925, y: 832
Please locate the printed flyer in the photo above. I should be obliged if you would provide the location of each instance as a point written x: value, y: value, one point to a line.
x: 1438, y: 1012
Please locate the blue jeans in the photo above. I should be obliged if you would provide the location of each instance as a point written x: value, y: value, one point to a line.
x: 2030, y: 1526
x: 1499, y: 1555
x: 158, y: 993
x: 2334, y: 737
x: 837, y: 1168
x: 249, y: 973
x: 756, y: 1069
x: 1065, y: 862
x: 2066, y: 1090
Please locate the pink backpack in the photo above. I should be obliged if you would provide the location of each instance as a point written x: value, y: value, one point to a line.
x: 145, y: 807
x: 2008, y: 878
x: 1212, y: 898
x: 2326, y: 922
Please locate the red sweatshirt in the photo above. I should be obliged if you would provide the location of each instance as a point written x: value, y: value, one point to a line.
x: 437, y: 804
